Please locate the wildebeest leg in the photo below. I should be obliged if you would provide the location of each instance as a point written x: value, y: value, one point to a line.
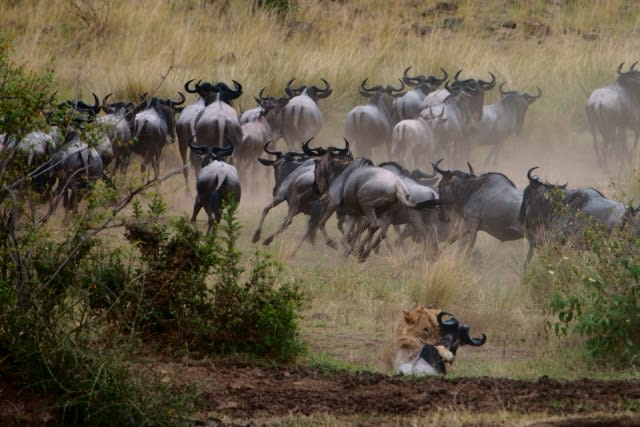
x: 530, y: 253
x: 383, y: 225
x: 291, y: 213
x: 327, y: 239
x: 196, y: 209
x: 328, y: 210
x: 348, y: 234
x: 213, y: 208
x: 275, y: 202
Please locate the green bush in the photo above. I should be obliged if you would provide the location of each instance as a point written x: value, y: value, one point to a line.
x: 241, y: 312
x: 594, y: 293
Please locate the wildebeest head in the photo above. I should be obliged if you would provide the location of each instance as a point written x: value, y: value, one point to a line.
x: 208, y: 153
x: 517, y: 103
x: 424, y: 83
x: 329, y: 163
x: 270, y: 103
x: 470, y: 93
x: 211, y: 92
x: 539, y: 198
x: 452, y: 188
x: 314, y: 92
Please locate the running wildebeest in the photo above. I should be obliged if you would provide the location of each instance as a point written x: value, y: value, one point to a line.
x: 216, y: 121
x: 362, y: 190
x: 553, y: 211
x: 301, y: 117
x: 462, y: 107
x: 370, y: 125
x: 294, y: 177
x: 489, y: 202
x: 501, y: 120
x: 408, y: 105
x: 217, y: 182
x: 153, y: 128
x: 611, y: 110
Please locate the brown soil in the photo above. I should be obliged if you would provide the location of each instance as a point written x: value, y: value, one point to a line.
x: 247, y: 393
x: 239, y: 393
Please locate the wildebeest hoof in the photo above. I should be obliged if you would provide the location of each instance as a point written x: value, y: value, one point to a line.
x: 332, y: 244
x: 268, y: 240
x: 256, y: 236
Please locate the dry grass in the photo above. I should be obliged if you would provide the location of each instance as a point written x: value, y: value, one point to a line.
x: 567, y: 48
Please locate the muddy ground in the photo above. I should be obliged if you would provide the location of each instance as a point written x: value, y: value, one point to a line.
x: 242, y: 393
x: 233, y: 393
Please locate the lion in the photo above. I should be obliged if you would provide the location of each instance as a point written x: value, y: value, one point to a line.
x: 424, y: 341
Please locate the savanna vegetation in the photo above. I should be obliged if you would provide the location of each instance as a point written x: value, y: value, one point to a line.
x: 89, y: 308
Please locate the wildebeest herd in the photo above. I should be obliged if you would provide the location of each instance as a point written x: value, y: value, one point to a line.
x: 228, y: 150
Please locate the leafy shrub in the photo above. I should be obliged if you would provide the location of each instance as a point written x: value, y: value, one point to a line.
x: 594, y: 292
x: 246, y: 313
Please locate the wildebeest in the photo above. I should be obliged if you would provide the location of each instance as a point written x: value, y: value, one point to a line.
x: 553, y: 211
x: 364, y: 191
x: 272, y: 109
x: 425, y: 340
x: 369, y: 126
x: 414, y: 141
x: 118, y: 126
x: 153, y: 128
x: 462, y: 107
x: 217, y: 182
x: 256, y: 133
x: 489, y: 202
x: 301, y: 117
x: 72, y: 169
x: 294, y: 178
x: 408, y: 105
x: 613, y: 109
x: 501, y: 120
x: 217, y: 123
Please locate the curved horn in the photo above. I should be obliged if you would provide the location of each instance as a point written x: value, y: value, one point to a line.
x: 411, y: 81
x: 488, y: 85
x: 532, y: 178
x: 238, y: 88
x: 471, y: 171
x: 364, y: 87
x: 633, y: 66
x: 437, y: 169
x: 105, y: 106
x: 275, y: 153
x: 457, y: 75
x: 311, y: 151
x: 453, y: 322
x: 476, y: 342
x: 532, y: 98
x: 96, y: 103
x: 446, y: 75
x: 180, y: 102
x: 323, y: 93
x: 502, y: 92
x: 393, y: 89
x: 344, y: 150
x: 197, y: 147
x: 195, y: 87
x: 291, y: 91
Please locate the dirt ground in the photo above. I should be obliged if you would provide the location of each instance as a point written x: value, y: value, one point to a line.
x: 242, y: 393
x: 233, y: 393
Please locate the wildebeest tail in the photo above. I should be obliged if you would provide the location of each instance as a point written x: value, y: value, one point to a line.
x: 427, y: 204
x: 314, y: 220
